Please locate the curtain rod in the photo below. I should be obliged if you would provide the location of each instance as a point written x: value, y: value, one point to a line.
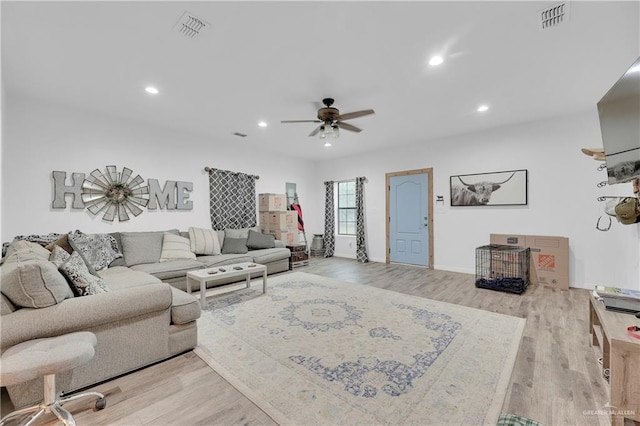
x: 208, y: 169
x: 347, y: 180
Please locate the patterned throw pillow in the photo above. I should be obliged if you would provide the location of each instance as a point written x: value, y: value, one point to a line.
x: 83, y: 283
x: 175, y: 247
x: 99, y: 250
x: 58, y: 255
x: 204, y: 241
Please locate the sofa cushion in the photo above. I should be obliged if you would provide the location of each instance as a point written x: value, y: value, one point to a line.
x: 257, y: 240
x: 184, y: 307
x: 224, y: 259
x: 240, y: 232
x: 121, y: 277
x: 170, y: 269
x: 175, y: 247
x: 83, y: 282
x: 98, y: 250
x: 234, y: 245
x: 204, y: 241
x: 29, y: 281
x: 141, y: 247
x: 270, y: 255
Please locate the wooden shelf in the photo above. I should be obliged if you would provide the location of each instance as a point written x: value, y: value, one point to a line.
x: 621, y: 355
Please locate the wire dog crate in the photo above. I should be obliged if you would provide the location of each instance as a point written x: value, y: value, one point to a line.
x: 503, y: 268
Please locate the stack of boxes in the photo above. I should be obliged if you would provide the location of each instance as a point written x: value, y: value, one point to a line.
x: 276, y: 220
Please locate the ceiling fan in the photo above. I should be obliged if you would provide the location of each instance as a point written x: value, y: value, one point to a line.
x: 332, y: 120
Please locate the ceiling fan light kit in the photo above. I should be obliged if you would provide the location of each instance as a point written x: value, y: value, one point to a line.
x: 332, y: 121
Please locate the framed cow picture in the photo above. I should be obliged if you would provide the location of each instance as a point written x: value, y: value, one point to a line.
x: 507, y: 188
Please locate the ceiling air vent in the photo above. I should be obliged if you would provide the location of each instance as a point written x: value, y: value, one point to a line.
x: 553, y: 16
x: 190, y: 26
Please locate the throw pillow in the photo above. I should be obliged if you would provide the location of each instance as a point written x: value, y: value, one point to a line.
x: 258, y: 240
x: 141, y: 247
x: 175, y: 247
x: 119, y: 261
x: 58, y: 255
x: 240, y: 232
x: 22, y: 249
x: 41, y: 240
x: 82, y: 281
x: 98, y: 250
x: 204, y: 241
x: 30, y: 282
x: 62, y: 242
x: 234, y: 245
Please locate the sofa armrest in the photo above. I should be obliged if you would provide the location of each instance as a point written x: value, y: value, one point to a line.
x: 279, y: 244
x: 84, y: 313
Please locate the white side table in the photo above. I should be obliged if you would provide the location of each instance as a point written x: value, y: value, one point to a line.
x: 218, y: 273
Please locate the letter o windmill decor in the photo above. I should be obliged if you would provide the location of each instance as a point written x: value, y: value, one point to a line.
x: 114, y: 194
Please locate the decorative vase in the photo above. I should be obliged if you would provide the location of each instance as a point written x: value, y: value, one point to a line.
x: 318, y: 242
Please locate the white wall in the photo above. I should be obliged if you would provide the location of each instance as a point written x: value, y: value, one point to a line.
x: 41, y: 138
x: 562, y: 196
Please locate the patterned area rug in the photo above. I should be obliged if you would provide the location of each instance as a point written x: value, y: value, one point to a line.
x: 315, y: 350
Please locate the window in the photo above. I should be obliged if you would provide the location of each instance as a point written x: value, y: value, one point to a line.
x: 347, y: 208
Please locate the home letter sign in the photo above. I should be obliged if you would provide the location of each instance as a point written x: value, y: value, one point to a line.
x: 172, y: 196
x: 117, y: 194
x: 60, y: 190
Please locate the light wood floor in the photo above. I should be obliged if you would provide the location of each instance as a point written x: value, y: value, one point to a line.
x: 555, y: 380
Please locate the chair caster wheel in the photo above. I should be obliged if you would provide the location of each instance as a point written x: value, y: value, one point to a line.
x: 101, y: 403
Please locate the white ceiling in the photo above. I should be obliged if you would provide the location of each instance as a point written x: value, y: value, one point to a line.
x: 275, y: 61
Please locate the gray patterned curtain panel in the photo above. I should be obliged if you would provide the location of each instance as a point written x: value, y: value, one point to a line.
x: 361, y: 245
x: 232, y: 199
x: 329, y: 221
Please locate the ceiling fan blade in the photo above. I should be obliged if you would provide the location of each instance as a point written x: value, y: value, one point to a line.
x: 347, y: 126
x: 315, y: 131
x: 300, y: 121
x: 355, y: 114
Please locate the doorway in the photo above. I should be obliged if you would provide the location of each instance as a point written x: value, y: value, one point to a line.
x: 409, y: 211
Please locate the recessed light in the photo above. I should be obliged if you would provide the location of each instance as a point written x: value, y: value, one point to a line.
x: 262, y: 124
x: 482, y: 108
x: 436, y: 60
x: 152, y: 90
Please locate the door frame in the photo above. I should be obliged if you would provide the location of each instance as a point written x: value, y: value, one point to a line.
x: 388, y: 176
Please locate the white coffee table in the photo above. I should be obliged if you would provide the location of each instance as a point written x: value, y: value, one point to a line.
x: 218, y: 273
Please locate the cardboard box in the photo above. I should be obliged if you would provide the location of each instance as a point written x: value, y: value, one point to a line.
x: 287, y: 237
x: 549, y: 257
x: 285, y: 221
x: 272, y: 202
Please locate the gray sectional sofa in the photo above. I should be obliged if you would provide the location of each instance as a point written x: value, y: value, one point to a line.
x: 142, y: 317
x: 174, y: 272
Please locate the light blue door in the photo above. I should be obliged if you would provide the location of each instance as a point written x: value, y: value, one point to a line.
x: 409, y: 219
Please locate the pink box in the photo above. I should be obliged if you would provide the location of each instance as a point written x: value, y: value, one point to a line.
x: 287, y: 237
x: 272, y: 202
